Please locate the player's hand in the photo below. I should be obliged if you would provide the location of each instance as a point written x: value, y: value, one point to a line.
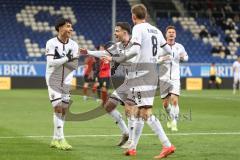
x: 69, y: 56
x: 181, y: 55
x: 106, y: 58
x: 164, y: 58
x: 83, y: 51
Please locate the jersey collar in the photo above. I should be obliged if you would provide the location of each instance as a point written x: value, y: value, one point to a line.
x: 62, y: 41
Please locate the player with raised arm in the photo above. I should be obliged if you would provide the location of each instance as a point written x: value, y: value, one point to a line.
x: 170, y: 80
x: 236, y: 75
x: 120, y: 95
x: 62, y: 59
x: 146, y: 42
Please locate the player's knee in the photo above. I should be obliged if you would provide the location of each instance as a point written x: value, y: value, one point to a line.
x: 145, y: 113
x: 58, y: 109
x: 175, y: 103
x: 165, y: 103
x: 109, y: 106
x: 130, y: 111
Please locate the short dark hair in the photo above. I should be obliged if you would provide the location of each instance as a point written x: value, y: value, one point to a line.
x: 60, y: 22
x: 170, y: 27
x: 140, y: 11
x: 125, y: 26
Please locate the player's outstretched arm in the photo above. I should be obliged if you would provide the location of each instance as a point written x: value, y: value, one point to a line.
x: 167, y: 49
x: 97, y: 54
x: 134, y: 50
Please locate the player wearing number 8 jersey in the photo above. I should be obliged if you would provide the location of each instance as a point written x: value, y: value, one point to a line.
x: 146, y: 42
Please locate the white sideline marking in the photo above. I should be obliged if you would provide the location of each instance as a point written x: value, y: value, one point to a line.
x: 116, y: 135
x: 211, y: 97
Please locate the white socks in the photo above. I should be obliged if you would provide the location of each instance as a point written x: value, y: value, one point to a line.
x: 139, y: 124
x: 58, y: 123
x: 119, y: 121
x: 168, y: 109
x: 156, y: 126
x: 235, y: 87
x: 131, y: 127
x: 174, y: 112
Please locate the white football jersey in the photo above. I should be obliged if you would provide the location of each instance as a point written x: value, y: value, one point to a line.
x: 60, y: 75
x: 120, y: 49
x: 171, y: 69
x: 150, y: 39
x: 236, y: 67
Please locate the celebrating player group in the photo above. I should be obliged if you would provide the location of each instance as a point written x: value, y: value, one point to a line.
x: 140, y: 51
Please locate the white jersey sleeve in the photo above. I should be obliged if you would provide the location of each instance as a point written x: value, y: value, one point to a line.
x: 136, y: 35
x: 75, y: 50
x: 236, y: 68
x: 50, y: 52
x: 49, y: 49
x: 162, y: 40
x: 183, y: 51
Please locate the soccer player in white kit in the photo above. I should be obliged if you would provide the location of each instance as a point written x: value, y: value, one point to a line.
x: 169, y: 78
x: 122, y: 36
x: 62, y: 59
x: 146, y: 42
x: 236, y: 75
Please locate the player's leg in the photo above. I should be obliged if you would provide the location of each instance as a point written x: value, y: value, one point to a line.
x: 235, y: 81
x: 100, y: 80
x: 155, y: 125
x: 166, y: 104
x: 131, y: 113
x: 65, y: 106
x: 104, y: 89
x: 239, y: 83
x: 85, y: 87
x: 110, y: 107
x: 174, y: 94
x: 137, y: 124
x: 165, y: 87
x: 175, y: 112
x: 94, y: 87
x: 56, y: 100
x: 168, y: 109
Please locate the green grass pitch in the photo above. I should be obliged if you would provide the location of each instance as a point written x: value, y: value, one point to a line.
x: 208, y: 130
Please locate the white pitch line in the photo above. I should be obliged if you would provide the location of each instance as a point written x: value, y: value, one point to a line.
x: 211, y: 97
x: 116, y: 135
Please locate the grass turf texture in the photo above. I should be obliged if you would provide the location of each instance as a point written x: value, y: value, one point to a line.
x: 29, y: 113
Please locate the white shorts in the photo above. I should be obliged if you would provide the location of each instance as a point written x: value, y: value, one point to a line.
x: 169, y: 87
x: 58, y: 94
x: 135, y: 91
